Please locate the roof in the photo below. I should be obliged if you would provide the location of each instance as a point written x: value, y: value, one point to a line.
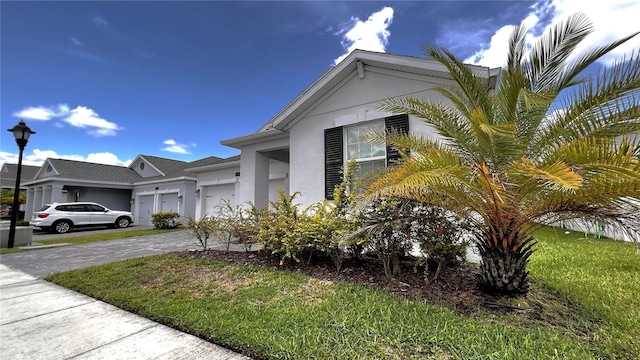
x: 9, y: 172
x: 86, y: 171
x: 80, y: 170
x: 220, y: 163
x: 358, y: 61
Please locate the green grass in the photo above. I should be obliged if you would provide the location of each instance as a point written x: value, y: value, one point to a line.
x: 275, y: 314
x: 103, y: 236
x: 601, y: 277
x: 9, y: 251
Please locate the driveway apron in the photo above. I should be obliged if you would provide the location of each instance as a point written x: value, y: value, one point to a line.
x: 44, y: 262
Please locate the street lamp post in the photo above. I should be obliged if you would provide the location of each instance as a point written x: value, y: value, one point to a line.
x: 21, y: 132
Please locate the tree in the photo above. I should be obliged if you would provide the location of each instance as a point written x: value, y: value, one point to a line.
x: 550, y: 144
x: 7, y: 197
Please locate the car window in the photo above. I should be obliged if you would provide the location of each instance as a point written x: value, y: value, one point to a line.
x: 93, y: 207
x: 44, y: 207
x: 63, y: 208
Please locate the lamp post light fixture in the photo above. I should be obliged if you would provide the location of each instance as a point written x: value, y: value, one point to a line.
x: 21, y: 132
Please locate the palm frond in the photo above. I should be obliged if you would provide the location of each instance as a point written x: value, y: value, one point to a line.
x: 557, y: 176
x: 549, y: 54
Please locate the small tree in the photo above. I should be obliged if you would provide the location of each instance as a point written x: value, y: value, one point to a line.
x: 247, y: 225
x: 202, y: 229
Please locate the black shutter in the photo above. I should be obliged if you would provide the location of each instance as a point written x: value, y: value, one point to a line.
x: 333, y: 157
x: 397, y: 124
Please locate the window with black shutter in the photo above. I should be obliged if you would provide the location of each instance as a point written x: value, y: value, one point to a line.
x: 398, y: 124
x: 333, y: 159
x: 368, y: 155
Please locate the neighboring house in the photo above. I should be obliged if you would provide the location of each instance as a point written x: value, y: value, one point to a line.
x: 304, y: 147
x: 148, y: 185
x: 8, y: 180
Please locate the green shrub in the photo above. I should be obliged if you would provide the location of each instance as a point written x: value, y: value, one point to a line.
x: 280, y: 232
x: 327, y: 231
x: 384, y: 220
x: 441, y: 237
x: 166, y: 220
x: 245, y: 229
x: 202, y: 229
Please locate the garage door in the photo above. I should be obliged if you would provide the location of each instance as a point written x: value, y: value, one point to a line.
x: 146, y: 210
x: 169, y: 202
x: 216, y: 193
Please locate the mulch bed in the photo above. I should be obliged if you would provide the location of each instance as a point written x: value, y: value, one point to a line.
x: 456, y: 286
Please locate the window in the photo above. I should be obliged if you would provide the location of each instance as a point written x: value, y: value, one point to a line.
x: 368, y: 155
x: 345, y: 143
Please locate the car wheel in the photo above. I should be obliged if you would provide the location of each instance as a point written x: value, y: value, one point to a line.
x: 62, y: 227
x: 122, y: 222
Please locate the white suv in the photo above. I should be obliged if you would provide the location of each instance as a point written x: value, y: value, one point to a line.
x: 62, y: 217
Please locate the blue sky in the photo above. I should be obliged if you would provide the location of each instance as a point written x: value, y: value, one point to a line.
x: 106, y: 81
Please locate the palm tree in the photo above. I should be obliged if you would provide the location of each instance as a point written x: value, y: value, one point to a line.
x: 550, y: 144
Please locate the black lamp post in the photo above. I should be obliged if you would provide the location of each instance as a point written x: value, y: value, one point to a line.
x: 21, y: 132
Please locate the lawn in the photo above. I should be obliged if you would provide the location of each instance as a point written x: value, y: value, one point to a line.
x: 272, y: 314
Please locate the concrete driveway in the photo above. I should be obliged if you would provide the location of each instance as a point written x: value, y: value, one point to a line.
x: 43, y: 262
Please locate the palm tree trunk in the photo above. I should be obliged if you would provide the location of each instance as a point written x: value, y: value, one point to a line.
x: 504, y: 270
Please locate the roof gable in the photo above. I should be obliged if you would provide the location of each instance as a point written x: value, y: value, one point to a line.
x: 353, y: 65
x: 9, y: 172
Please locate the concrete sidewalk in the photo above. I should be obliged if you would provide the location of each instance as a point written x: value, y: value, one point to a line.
x: 41, y: 320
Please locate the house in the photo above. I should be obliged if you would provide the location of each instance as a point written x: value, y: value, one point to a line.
x: 8, y: 175
x: 148, y: 185
x: 303, y: 148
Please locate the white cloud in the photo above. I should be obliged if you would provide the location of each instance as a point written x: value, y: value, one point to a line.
x: 174, y: 147
x: 37, y: 158
x: 371, y: 34
x: 80, y: 117
x: 612, y: 20
x: 41, y: 112
x: 75, y: 41
x: 83, y: 117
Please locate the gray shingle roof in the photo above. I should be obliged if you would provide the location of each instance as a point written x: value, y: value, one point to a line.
x: 81, y: 170
x: 9, y: 171
x: 85, y: 171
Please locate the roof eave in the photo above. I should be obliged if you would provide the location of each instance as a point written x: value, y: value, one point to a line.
x: 239, y: 142
x: 225, y: 165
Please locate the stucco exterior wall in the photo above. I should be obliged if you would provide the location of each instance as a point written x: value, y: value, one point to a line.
x: 278, y: 179
x: 357, y: 100
x: 184, y: 189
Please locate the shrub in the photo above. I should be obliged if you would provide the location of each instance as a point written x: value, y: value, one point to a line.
x: 326, y: 231
x: 279, y: 232
x: 166, y: 220
x: 385, y: 221
x: 202, y: 229
x: 441, y: 237
x: 247, y: 225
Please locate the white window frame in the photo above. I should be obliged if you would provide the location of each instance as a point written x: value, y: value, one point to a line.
x: 358, y: 159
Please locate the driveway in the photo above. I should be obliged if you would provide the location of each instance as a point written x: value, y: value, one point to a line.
x: 43, y: 262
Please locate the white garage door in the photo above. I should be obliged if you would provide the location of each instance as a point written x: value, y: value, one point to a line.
x: 146, y: 209
x: 215, y: 194
x: 169, y: 202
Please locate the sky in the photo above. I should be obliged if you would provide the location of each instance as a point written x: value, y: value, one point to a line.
x: 105, y: 82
